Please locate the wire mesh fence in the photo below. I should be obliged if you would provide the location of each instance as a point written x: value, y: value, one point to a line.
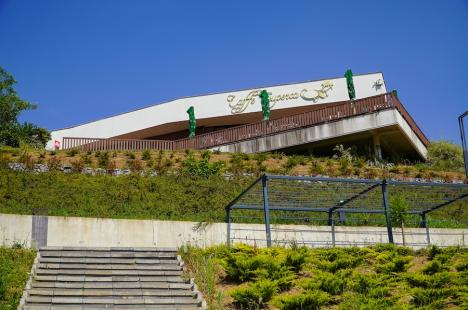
x: 322, y: 211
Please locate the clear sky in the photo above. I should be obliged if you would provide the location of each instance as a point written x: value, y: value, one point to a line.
x: 83, y: 60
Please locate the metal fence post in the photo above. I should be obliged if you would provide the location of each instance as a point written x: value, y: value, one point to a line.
x: 266, y: 209
x: 228, y: 220
x: 330, y: 217
x: 388, y: 216
x: 333, y: 230
x: 424, y: 224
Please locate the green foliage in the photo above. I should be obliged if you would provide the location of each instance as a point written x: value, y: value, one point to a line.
x: 205, y: 272
x: 146, y: 155
x: 342, y: 278
x: 430, y: 296
x: 126, y: 196
x: 255, y: 295
x: 103, y: 160
x: 343, y: 153
x: 72, y: 152
x: 13, y: 133
x: 399, y: 207
x: 201, y: 168
x: 309, y: 300
x: 295, y: 160
x: 15, y: 265
x: 445, y: 155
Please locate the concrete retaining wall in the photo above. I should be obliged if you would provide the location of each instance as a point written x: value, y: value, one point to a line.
x: 78, y: 231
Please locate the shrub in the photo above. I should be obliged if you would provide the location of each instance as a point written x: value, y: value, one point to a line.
x: 146, y: 155
x: 86, y: 158
x: 237, y: 164
x: 205, y: 271
x: 77, y: 165
x: 316, y: 167
x: 53, y: 163
x: 295, y: 259
x: 343, y: 153
x: 293, y: 161
x: 433, y: 267
x: 15, y: 265
x: 430, y: 296
x: 398, y: 264
x: 260, y: 157
x: 130, y: 155
x: 201, y: 168
x: 205, y: 154
x: 309, y: 300
x: 103, y: 159
x: 72, y: 152
x: 445, y: 155
x: 135, y: 164
x: 255, y: 295
x: 26, y: 158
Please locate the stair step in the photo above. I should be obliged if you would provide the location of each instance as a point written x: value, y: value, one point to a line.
x: 109, y: 278
x: 107, y: 272
x: 93, y: 254
x: 110, y: 292
x: 165, y: 266
x: 33, y: 306
x: 114, y: 285
x: 113, y: 300
x: 107, y: 260
x: 107, y: 249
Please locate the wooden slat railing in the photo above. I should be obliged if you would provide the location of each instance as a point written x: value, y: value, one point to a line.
x: 96, y: 144
x: 259, y: 129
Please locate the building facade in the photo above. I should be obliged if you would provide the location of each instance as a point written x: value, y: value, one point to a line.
x: 310, y: 116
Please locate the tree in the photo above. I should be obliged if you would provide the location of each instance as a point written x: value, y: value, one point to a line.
x: 445, y: 155
x: 399, y: 207
x: 12, y: 133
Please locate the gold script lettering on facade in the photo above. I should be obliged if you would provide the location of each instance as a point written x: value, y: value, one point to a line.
x: 240, y: 105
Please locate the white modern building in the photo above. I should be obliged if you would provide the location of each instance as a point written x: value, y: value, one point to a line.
x: 310, y: 116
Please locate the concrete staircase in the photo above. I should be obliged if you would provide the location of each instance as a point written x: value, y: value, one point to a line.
x: 109, y: 278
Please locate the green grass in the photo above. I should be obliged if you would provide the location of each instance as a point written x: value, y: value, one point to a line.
x: 132, y: 196
x: 15, y: 265
x: 185, y: 198
x: 378, y: 277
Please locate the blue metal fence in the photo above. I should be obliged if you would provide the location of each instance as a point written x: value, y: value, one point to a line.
x: 274, y: 199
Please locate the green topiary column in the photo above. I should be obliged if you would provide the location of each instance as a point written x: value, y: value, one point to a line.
x: 192, y: 122
x: 265, y: 105
x: 349, y: 80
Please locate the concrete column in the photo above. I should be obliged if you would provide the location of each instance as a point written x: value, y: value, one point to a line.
x: 377, y: 148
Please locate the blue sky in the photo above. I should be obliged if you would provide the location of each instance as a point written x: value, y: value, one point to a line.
x: 84, y: 60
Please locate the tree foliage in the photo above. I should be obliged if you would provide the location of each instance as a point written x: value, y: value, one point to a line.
x: 445, y: 155
x: 12, y: 132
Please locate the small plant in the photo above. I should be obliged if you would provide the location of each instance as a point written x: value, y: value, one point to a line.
x: 26, y: 158
x: 130, y: 155
x: 72, y: 152
x: 146, y: 155
x: 53, y: 163
x: 202, y: 168
x: 399, y: 209
x: 135, y: 165
x: 86, y: 158
x: 316, y: 168
x: 312, y: 300
x: 77, y: 165
x: 103, y: 159
x: 256, y: 295
x: 343, y: 153
x: 206, y: 154
x: 277, y: 155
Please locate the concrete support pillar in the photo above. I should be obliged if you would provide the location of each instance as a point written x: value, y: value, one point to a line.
x: 376, y: 146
